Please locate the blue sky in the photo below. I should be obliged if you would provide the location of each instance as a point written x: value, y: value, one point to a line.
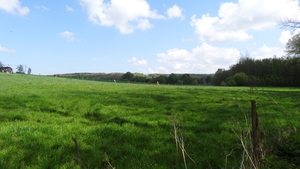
x: 145, y: 36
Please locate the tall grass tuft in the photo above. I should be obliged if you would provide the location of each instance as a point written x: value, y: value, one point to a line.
x: 179, y: 141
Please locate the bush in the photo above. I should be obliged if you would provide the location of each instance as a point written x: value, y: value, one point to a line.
x: 139, y: 78
x: 195, y: 82
x: 179, y: 82
x: 127, y: 76
x: 241, y: 79
x: 223, y: 83
x: 230, y: 81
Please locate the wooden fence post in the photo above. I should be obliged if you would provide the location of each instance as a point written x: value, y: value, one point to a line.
x: 256, y: 136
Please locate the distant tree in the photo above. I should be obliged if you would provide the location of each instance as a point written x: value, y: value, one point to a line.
x: 223, y: 83
x: 230, y: 81
x: 293, y: 46
x: 127, y: 76
x: 139, y: 78
x: 1, y: 65
x: 221, y: 75
x: 179, y: 82
x: 200, y: 80
x: 161, y: 79
x: 217, y: 78
x: 172, y: 79
x: 29, y: 71
x: 241, y: 79
x: 194, y: 82
x: 20, y: 69
x: 187, y: 79
x: 253, y: 81
x: 208, y: 79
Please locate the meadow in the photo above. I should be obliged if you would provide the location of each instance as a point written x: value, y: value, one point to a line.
x: 121, y: 125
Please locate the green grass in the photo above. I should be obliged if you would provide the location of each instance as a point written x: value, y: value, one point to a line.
x: 131, y: 123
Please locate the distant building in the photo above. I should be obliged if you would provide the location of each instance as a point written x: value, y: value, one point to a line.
x: 6, y: 69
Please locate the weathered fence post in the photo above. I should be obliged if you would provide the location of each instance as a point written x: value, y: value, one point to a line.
x: 256, y: 136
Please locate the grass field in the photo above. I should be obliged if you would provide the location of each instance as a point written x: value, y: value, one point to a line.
x: 132, y: 125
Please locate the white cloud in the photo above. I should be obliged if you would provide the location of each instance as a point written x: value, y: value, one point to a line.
x: 175, y: 12
x: 137, y: 62
x: 175, y: 55
x: 69, y: 36
x: 269, y: 52
x: 13, y: 7
x: 69, y: 8
x: 45, y: 8
x: 144, y: 24
x: 235, y: 19
x: 7, y: 50
x: 42, y: 7
x: 285, y: 36
x: 204, y: 59
x: 159, y: 70
x: 126, y: 16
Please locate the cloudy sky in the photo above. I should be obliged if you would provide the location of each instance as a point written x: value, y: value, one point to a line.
x: 146, y: 36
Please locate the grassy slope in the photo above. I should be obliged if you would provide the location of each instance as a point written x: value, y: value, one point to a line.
x: 131, y: 123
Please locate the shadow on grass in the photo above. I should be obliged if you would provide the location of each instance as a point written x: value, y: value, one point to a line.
x: 12, y: 116
x: 31, y: 102
x: 121, y: 121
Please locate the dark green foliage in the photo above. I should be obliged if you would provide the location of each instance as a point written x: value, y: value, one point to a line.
x: 221, y: 75
x: 241, y: 79
x: 20, y: 69
x: 208, y: 79
x: 223, y: 83
x: 200, y: 80
x: 230, y: 81
x: 266, y: 72
x: 195, y: 82
x: 283, y: 149
x: 184, y: 79
x: 29, y: 71
x: 289, y: 149
x: 139, y: 78
x: 179, y: 82
x: 161, y: 79
x: 172, y: 79
x: 127, y: 76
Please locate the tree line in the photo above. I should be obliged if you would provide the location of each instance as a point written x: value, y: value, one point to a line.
x: 182, y: 79
x: 274, y: 71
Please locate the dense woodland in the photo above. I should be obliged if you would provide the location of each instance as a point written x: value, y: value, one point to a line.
x: 276, y: 71
x: 284, y: 71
